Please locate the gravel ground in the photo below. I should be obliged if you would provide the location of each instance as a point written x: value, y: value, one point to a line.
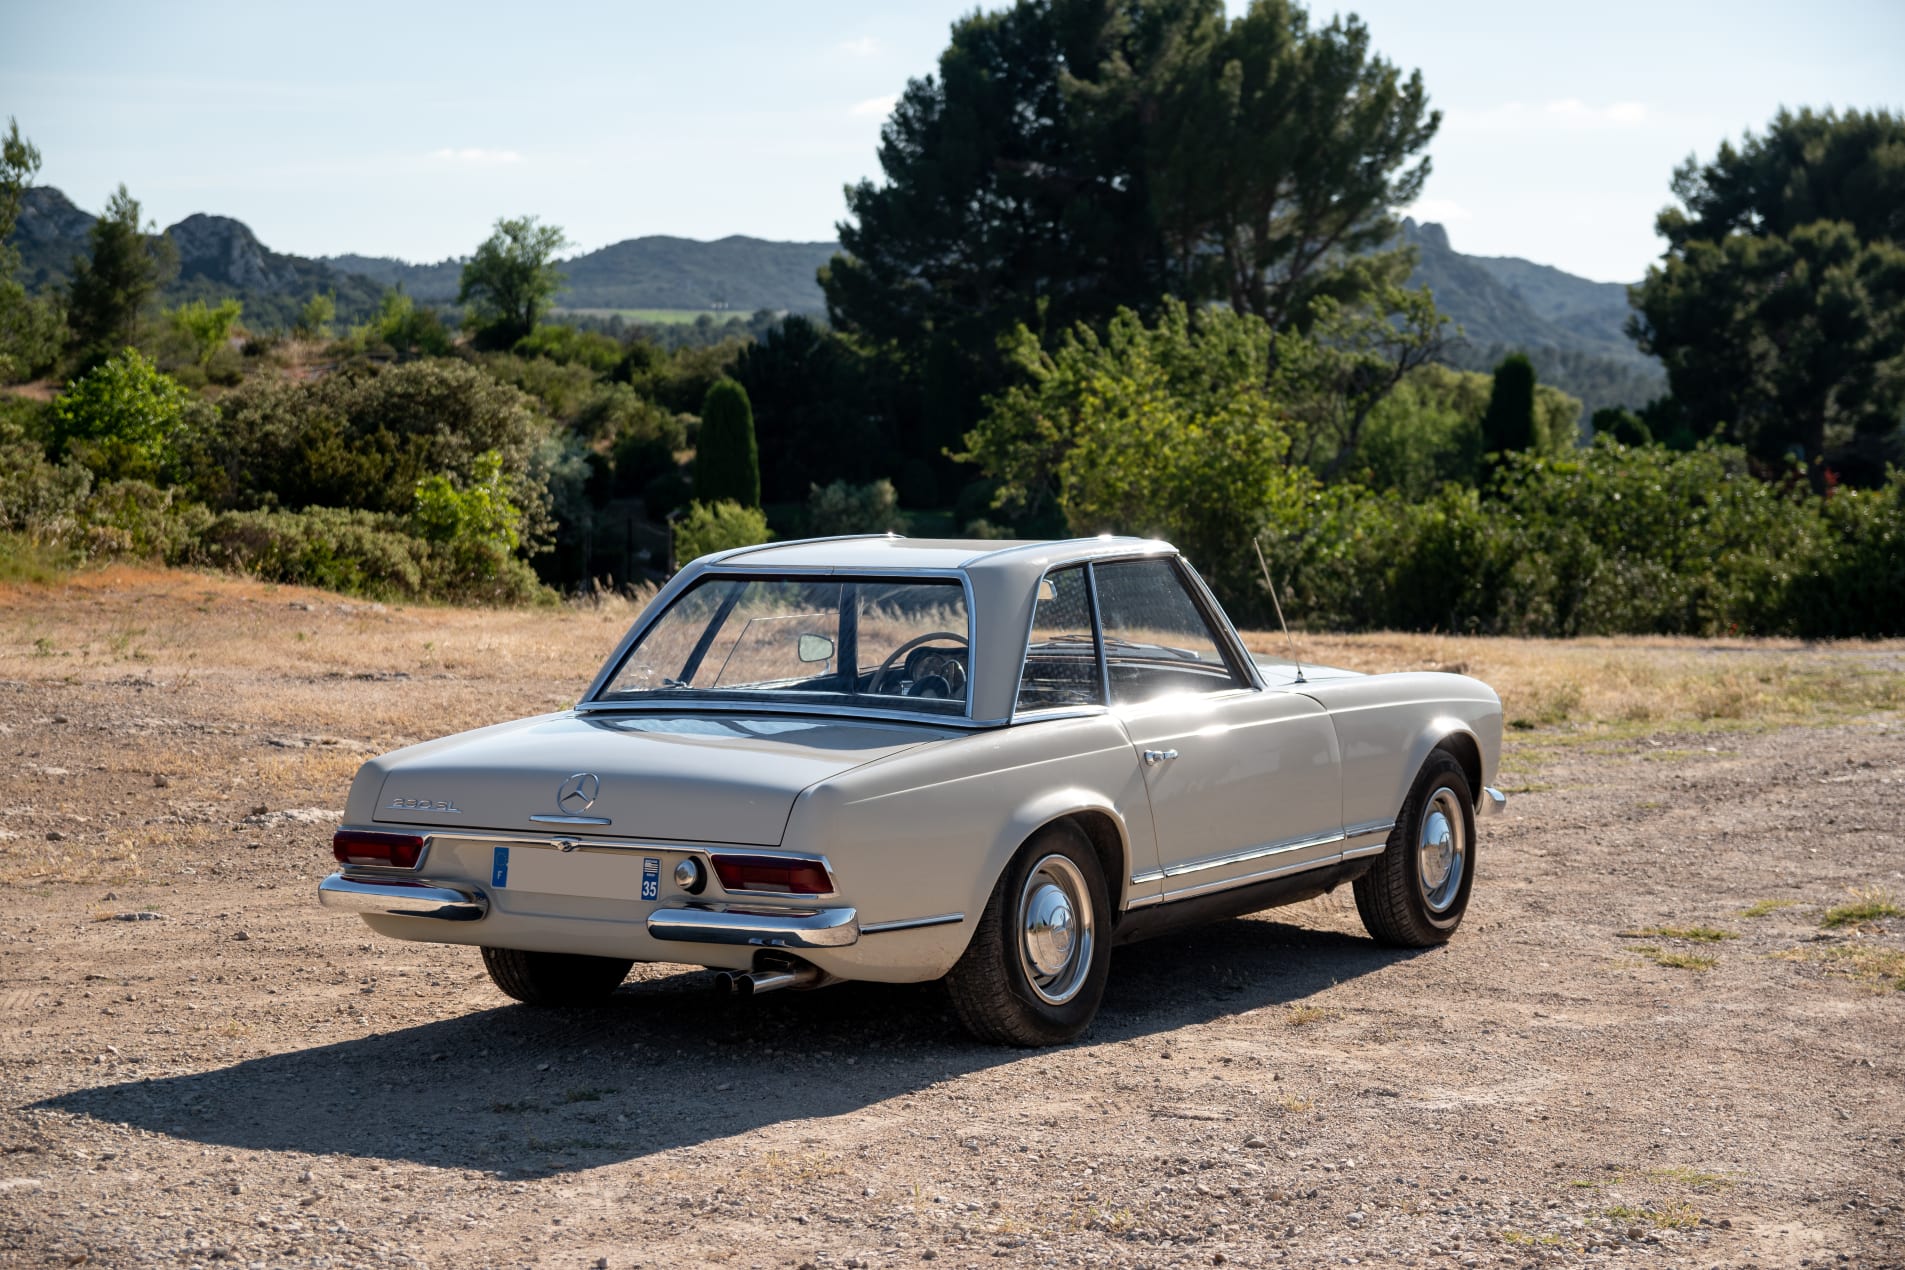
x: 199, y: 1067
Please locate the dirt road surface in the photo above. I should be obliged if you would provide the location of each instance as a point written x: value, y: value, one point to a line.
x: 1670, y: 1034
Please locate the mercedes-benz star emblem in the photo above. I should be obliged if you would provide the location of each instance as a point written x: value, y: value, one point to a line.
x: 579, y: 793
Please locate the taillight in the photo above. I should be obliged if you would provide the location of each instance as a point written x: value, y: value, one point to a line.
x: 786, y: 874
x: 368, y: 846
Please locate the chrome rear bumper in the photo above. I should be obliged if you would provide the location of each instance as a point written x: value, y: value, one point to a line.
x: 1490, y: 803
x: 402, y: 899
x: 760, y: 927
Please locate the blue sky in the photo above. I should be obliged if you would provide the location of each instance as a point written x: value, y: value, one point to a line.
x: 407, y: 130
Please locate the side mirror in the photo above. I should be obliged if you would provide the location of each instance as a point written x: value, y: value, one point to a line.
x: 815, y: 648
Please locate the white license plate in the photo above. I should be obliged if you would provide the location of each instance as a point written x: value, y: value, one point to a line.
x: 608, y: 875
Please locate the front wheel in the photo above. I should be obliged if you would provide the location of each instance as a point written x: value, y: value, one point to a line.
x: 1418, y: 890
x: 1036, y: 968
x: 543, y: 978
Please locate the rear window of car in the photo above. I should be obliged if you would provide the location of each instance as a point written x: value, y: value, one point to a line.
x: 879, y: 643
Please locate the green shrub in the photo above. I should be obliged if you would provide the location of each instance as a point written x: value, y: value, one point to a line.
x: 401, y: 329
x: 363, y: 438
x: 140, y: 520
x: 354, y: 551
x: 598, y: 353
x: 1852, y: 579
x: 563, y: 389
x: 119, y: 418
x: 841, y: 508
x: 710, y: 527
x: 473, y: 529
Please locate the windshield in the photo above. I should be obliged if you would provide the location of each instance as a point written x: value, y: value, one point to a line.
x: 890, y: 644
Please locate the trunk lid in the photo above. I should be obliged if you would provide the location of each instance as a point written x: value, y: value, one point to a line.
x: 687, y: 778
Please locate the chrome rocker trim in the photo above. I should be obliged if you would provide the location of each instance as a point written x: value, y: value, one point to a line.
x: 760, y: 927
x: 1491, y: 803
x: 402, y: 899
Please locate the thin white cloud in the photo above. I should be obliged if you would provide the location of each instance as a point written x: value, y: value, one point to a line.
x: 476, y: 155
x: 865, y: 46
x: 1576, y: 111
x: 1570, y: 113
x: 1443, y: 210
x: 874, y: 107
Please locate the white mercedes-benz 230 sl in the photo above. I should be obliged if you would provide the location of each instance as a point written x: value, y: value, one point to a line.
x: 899, y: 760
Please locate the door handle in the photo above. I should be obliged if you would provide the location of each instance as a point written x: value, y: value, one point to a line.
x: 1153, y: 757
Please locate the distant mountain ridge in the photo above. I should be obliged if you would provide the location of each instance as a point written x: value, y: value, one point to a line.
x: 1570, y: 327
x: 218, y: 257
x: 655, y: 272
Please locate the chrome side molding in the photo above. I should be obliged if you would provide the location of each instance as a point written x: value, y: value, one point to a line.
x: 403, y: 899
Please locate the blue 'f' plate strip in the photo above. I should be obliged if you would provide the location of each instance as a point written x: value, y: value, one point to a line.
x: 499, y: 867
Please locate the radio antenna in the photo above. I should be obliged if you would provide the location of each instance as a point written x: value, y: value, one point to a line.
x: 1264, y: 565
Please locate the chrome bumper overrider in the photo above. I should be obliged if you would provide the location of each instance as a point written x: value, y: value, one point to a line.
x: 761, y: 927
x: 402, y: 899
x: 1490, y: 803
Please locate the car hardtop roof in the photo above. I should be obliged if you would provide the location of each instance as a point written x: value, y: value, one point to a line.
x: 903, y: 555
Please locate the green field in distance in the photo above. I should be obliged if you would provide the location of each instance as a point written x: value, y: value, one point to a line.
x: 658, y: 317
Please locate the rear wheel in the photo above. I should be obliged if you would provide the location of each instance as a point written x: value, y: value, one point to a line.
x: 1418, y: 890
x: 542, y: 978
x: 1036, y: 968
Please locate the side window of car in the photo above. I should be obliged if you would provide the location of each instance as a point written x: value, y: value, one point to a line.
x: 1157, y: 641
x: 1061, y: 658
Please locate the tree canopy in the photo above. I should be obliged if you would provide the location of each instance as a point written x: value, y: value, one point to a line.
x: 113, y: 289
x: 1072, y: 158
x: 511, y: 279
x: 1779, y: 305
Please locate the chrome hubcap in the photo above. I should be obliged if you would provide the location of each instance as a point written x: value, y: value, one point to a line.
x: 1055, y: 929
x: 1441, y: 850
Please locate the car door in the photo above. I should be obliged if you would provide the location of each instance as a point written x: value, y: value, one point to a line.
x: 1243, y: 782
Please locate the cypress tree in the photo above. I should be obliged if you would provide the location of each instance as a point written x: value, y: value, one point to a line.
x: 1509, y: 423
x: 727, y: 459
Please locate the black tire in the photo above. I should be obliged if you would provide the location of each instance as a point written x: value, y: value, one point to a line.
x: 997, y: 988
x: 543, y: 978
x: 1399, y: 905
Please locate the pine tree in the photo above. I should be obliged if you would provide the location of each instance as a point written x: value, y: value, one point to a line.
x: 112, y: 290
x: 727, y: 460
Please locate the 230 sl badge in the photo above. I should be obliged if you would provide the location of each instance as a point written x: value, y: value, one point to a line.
x: 425, y: 804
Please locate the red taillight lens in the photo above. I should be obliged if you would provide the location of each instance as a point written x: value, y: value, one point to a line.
x: 365, y: 846
x: 786, y: 874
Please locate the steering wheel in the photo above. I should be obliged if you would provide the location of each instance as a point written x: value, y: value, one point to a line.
x: 886, y: 667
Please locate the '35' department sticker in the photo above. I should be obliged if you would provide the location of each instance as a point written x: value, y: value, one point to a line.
x: 651, y: 878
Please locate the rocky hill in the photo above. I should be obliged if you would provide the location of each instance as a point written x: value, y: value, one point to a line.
x: 1570, y: 327
x: 217, y: 257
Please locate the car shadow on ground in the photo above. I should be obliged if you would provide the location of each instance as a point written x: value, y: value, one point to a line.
x: 667, y: 1063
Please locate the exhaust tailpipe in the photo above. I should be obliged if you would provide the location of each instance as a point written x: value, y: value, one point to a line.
x: 751, y: 983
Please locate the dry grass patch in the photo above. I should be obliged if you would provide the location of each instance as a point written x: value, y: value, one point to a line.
x: 1868, y: 905
x: 1679, y: 1216
x: 1693, y: 934
x: 1625, y: 687
x: 1304, y: 1015
x: 1762, y: 908
x: 1676, y: 960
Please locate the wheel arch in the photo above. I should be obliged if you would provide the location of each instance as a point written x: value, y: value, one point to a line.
x: 1468, y: 752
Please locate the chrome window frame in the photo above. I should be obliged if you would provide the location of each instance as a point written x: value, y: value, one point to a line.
x: 1098, y: 648
x: 595, y: 702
